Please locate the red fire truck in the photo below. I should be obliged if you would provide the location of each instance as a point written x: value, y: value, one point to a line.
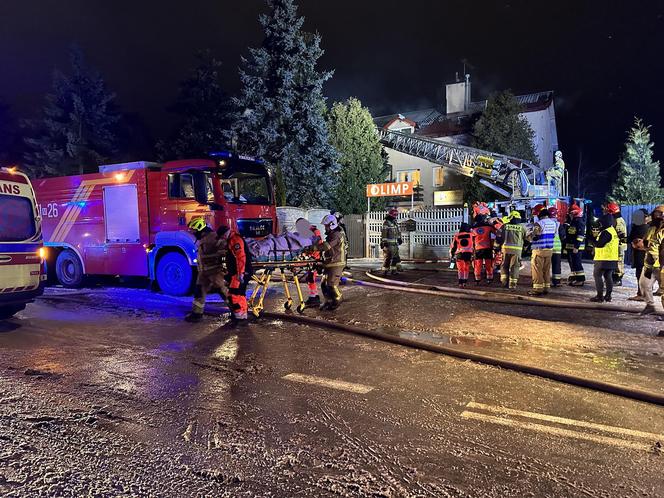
x: 131, y: 219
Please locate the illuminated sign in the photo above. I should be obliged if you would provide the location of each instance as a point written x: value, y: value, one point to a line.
x: 390, y: 189
x: 448, y: 198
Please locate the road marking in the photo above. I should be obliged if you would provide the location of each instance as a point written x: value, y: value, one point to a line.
x: 331, y: 383
x: 567, y: 421
x: 557, y: 431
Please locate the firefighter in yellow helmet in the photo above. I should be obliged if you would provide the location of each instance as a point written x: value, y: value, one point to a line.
x: 211, y: 251
x: 333, y: 249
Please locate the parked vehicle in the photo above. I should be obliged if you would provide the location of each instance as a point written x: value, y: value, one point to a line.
x: 21, y: 248
x: 131, y: 219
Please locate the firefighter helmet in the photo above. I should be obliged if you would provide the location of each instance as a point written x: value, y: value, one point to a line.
x: 553, y: 212
x: 612, y: 208
x: 197, y: 224
x: 575, y: 210
x: 330, y: 221
x: 537, y: 209
x: 515, y: 215
x: 393, y: 212
x: 559, y: 154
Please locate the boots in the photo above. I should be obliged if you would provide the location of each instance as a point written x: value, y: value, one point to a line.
x: 598, y: 299
x: 312, y: 301
x: 607, y: 297
x: 193, y: 317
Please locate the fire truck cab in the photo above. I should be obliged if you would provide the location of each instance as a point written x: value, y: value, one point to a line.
x: 130, y: 219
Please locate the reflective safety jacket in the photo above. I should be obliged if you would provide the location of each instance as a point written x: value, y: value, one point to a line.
x: 391, y: 232
x: 211, y: 252
x: 621, y: 230
x: 461, y: 243
x: 576, y: 235
x: 317, y: 238
x: 544, y: 234
x: 483, y: 236
x: 513, y: 236
x: 653, y: 244
x: 238, y: 257
x: 333, y: 248
x: 606, y: 247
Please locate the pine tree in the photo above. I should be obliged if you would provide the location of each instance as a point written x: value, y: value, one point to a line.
x: 280, y: 111
x: 361, y: 159
x: 204, y: 111
x: 500, y: 129
x: 78, y: 129
x: 639, y: 178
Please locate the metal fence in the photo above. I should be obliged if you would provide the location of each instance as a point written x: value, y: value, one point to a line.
x: 431, y: 238
x: 287, y: 217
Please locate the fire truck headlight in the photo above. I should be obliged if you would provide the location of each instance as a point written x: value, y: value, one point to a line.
x: 42, y: 253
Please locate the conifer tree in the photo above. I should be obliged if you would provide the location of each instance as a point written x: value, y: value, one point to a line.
x: 361, y: 159
x: 204, y: 111
x: 639, y: 178
x: 280, y: 111
x: 77, y: 131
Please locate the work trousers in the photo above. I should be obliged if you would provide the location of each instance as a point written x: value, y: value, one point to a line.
x: 311, y: 283
x: 330, y: 284
x: 540, y: 263
x: 556, y: 268
x: 509, y: 270
x: 391, y: 258
x: 205, y: 284
x: 237, y: 298
x: 620, y: 272
x: 577, y: 274
x: 602, y: 276
x: 483, y: 258
x: 646, y: 285
x: 463, y: 271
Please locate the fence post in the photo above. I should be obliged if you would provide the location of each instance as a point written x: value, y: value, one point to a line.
x: 367, y: 242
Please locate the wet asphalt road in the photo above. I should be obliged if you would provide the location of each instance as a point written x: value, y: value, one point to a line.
x: 109, y: 393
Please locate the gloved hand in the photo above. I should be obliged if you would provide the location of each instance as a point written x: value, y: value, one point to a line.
x: 647, y: 272
x: 399, y: 241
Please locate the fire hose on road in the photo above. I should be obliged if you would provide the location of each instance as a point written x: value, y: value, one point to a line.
x: 606, y: 387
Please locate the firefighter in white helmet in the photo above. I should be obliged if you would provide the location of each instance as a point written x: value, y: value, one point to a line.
x: 554, y: 175
x: 333, y: 249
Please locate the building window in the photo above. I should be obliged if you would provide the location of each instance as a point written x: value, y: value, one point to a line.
x: 412, y: 175
x: 438, y: 177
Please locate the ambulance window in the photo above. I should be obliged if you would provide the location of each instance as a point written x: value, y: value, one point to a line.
x: 17, y: 222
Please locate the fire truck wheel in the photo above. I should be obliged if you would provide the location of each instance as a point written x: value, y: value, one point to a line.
x: 174, y: 274
x: 69, y: 269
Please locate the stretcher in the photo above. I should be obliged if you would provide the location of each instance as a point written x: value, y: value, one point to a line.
x: 297, y: 267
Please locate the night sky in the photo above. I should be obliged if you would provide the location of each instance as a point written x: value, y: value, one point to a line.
x: 604, y: 60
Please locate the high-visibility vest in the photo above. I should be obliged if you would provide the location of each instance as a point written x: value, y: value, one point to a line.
x: 513, y: 235
x: 462, y: 242
x: 545, y: 239
x: 610, y: 251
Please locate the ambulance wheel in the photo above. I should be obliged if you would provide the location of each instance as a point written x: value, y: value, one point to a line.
x: 68, y: 269
x: 288, y: 305
x: 174, y: 274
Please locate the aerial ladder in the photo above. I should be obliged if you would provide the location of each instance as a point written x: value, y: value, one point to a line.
x: 509, y: 176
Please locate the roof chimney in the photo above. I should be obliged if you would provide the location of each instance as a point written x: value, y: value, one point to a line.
x: 458, y: 96
x: 466, y: 100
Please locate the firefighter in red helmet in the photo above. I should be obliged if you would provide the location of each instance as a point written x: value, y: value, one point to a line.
x: 613, y: 209
x: 461, y: 251
x: 484, y: 234
x: 575, y: 244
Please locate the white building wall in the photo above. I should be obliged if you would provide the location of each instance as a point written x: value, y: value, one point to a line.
x: 543, y: 124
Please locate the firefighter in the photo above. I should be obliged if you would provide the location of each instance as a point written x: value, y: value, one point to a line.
x: 652, y: 263
x: 333, y: 249
x: 554, y: 175
x: 461, y: 250
x: 575, y: 244
x: 483, y: 237
x: 211, y: 251
x: 613, y: 209
x: 497, y: 223
x: 556, y: 258
x: 390, y: 240
x: 542, y: 235
x: 314, y: 298
x: 238, y: 273
x: 512, y: 237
